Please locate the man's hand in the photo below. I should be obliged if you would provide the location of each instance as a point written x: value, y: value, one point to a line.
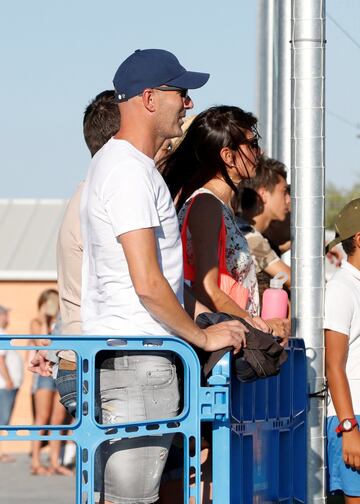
x: 230, y: 333
x: 40, y: 364
x: 351, y: 448
x: 335, y: 256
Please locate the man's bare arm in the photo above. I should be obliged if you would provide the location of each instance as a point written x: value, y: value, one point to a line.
x: 159, y: 299
x: 336, y: 351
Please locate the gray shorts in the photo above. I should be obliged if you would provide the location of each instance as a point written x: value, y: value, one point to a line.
x: 141, y: 387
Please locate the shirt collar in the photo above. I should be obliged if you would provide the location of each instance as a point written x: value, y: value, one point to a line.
x: 351, y: 269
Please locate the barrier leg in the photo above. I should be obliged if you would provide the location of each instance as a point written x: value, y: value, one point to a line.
x: 221, y: 462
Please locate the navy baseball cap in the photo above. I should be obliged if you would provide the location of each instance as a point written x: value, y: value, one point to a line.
x: 149, y: 68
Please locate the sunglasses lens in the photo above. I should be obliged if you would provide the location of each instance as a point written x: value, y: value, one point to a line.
x: 182, y: 92
x: 254, y: 143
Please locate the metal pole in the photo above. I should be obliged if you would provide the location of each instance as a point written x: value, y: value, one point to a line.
x: 264, y: 91
x: 282, y: 85
x: 307, y: 195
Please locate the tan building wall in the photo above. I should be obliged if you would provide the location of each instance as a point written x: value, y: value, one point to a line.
x: 22, y: 298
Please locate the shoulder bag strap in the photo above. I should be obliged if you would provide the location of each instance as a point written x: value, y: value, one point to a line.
x: 189, y: 270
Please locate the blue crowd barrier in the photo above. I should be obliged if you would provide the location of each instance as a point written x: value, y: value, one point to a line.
x: 265, y: 435
x: 259, y: 429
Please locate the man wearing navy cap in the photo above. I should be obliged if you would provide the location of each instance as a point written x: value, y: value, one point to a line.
x: 132, y: 277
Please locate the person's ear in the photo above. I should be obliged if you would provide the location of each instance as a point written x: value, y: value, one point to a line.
x: 357, y: 239
x: 262, y: 193
x: 227, y: 156
x: 148, y: 99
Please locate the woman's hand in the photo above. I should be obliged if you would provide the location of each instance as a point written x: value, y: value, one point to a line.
x: 259, y: 323
x: 280, y: 328
x: 229, y: 333
x: 40, y: 363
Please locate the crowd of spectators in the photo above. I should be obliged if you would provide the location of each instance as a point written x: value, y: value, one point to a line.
x: 158, y: 206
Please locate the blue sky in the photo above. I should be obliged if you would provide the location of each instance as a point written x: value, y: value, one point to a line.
x: 56, y: 56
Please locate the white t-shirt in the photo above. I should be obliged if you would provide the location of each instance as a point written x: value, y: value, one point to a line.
x: 342, y: 314
x: 15, y: 365
x: 124, y: 192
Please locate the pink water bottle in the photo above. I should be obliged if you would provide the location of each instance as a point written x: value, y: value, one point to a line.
x: 275, y: 299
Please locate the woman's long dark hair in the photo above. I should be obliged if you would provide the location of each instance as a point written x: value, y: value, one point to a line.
x: 197, y: 159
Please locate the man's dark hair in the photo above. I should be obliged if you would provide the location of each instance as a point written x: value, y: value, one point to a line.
x: 268, y: 174
x: 101, y: 120
x: 349, y: 246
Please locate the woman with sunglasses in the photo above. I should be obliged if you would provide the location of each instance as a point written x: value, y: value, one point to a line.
x: 219, y: 150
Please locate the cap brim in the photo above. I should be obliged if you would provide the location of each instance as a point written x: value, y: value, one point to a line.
x: 189, y: 80
x: 332, y: 244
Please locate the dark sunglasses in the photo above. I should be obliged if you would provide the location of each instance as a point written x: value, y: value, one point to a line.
x: 253, y: 143
x: 181, y: 91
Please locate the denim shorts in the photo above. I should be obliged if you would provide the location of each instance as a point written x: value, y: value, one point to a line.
x: 140, y: 387
x: 43, y: 383
x: 341, y: 476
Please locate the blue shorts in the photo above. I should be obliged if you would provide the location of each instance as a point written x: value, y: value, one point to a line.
x: 341, y: 477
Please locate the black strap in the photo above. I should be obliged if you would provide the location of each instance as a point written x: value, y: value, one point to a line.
x: 320, y: 394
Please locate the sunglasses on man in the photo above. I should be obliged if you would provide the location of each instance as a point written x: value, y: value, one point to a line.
x: 181, y: 91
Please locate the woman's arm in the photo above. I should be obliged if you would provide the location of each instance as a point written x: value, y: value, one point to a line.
x: 39, y: 326
x: 192, y: 306
x: 204, y: 223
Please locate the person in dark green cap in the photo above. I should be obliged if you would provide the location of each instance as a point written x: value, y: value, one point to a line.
x: 342, y: 352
